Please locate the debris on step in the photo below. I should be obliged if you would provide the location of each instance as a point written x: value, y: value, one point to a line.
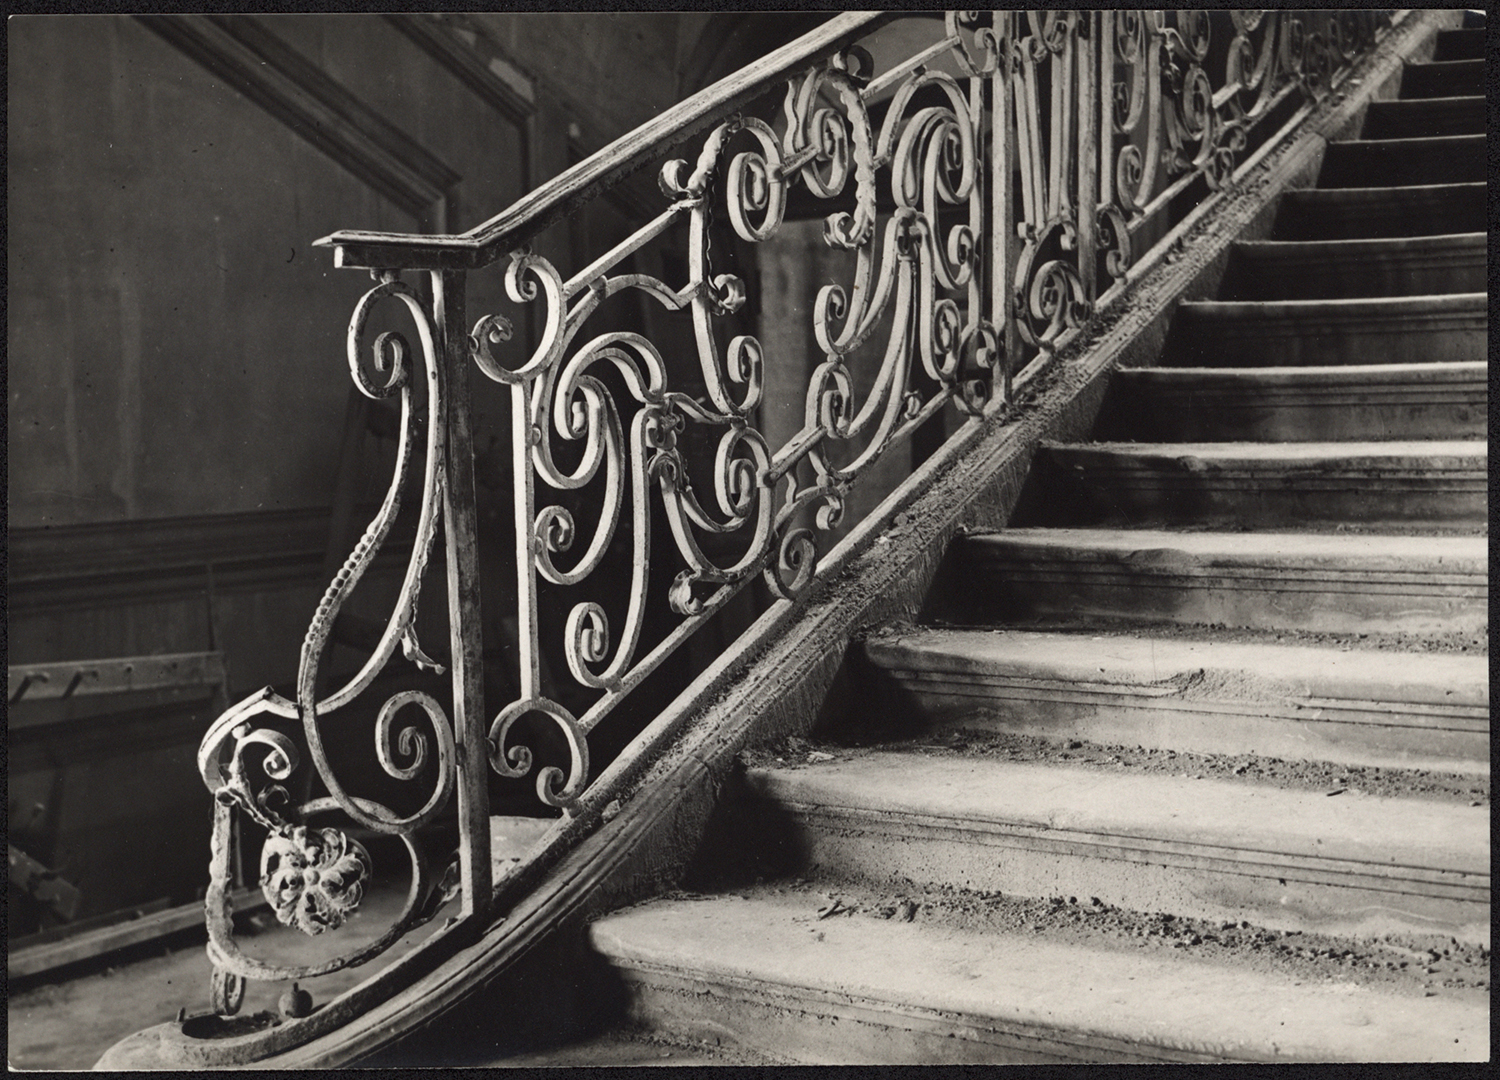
x: 1472, y: 642
x: 975, y: 952
x: 1331, y: 778
x: 1393, y: 961
x: 790, y: 752
x: 836, y: 907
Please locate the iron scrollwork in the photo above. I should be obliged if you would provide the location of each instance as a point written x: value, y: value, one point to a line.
x: 314, y: 877
x: 1100, y: 119
x: 910, y: 269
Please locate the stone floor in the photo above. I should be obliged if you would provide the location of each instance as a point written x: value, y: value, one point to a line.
x: 66, y: 1019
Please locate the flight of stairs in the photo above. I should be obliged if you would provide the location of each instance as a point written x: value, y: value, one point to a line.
x: 1195, y: 755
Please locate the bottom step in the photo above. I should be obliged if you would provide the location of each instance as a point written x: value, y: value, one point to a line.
x: 767, y: 973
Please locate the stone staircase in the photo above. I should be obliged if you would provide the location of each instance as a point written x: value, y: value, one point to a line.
x: 1191, y: 762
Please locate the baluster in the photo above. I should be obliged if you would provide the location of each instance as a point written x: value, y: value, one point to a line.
x: 979, y: 281
x: 464, y: 625
x: 1086, y: 43
x: 1002, y: 203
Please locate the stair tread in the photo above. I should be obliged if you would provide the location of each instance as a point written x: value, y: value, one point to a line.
x: 1328, y: 582
x: 1425, y: 117
x: 1392, y: 453
x: 1295, y: 701
x: 1267, y: 547
x: 1347, y: 307
x: 1247, y: 822
x: 1399, y: 103
x: 1415, y: 143
x: 1440, y: 264
x: 1430, y: 399
x: 1314, y: 374
x: 1073, y: 992
x: 1279, y: 333
x: 1387, y: 103
x: 1363, y: 246
x: 1458, y: 64
x: 1278, y: 669
x: 1383, y: 210
x: 1431, y: 485
x: 1415, y: 160
x: 1382, y: 191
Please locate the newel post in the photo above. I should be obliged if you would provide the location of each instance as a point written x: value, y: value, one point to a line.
x: 460, y: 533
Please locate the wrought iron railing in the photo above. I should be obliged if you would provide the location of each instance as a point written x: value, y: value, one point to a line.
x: 992, y: 189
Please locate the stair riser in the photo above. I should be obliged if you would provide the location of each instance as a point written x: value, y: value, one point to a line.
x: 1140, y: 495
x: 1275, y: 412
x: 1424, y: 118
x: 1444, y: 78
x: 1142, y: 874
x: 1271, y: 274
x: 1202, y: 339
x: 1025, y: 586
x: 813, y: 1027
x: 1378, y: 734
x: 1460, y: 44
x: 1459, y: 160
x: 1389, y: 212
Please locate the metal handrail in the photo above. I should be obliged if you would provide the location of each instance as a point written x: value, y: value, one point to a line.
x: 602, y: 170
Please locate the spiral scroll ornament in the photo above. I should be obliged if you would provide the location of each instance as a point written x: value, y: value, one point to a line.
x: 913, y: 278
x: 314, y: 876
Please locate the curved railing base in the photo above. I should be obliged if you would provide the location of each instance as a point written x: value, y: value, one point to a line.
x: 666, y: 781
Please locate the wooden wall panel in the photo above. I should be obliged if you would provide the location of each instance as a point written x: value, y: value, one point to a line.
x: 174, y: 345
x: 176, y: 355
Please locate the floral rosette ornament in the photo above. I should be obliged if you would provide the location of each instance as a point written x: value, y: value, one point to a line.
x: 313, y: 879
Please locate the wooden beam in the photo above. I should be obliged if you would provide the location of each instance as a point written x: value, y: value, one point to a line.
x: 84, y: 678
x: 32, y: 959
x: 44, y: 885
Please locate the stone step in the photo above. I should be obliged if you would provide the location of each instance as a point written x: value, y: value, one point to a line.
x: 1293, y: 702
x: 762, y: 972
x: 1443, y: 159
x: 1346, y: 269
x: 1356, y: 402
x: 1210, y: 849
x: 1421, y: 117
x: 1460, y: 44
x: 1443, y: 78
x: 1290, y: 333
x: 1343, y: 583
x: 1356, y: 213
x: 1248, y: 485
